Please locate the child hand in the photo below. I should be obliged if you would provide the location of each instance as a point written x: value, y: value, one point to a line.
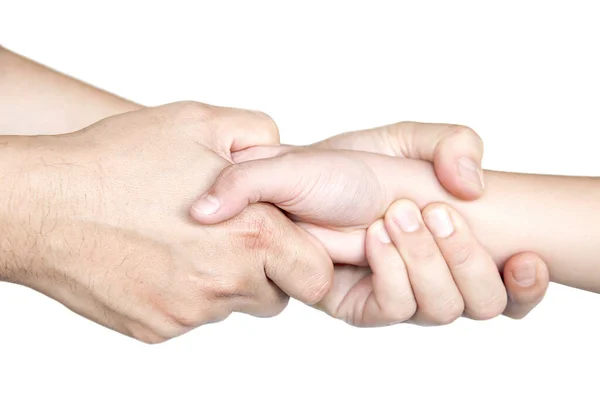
x: 336, y: 195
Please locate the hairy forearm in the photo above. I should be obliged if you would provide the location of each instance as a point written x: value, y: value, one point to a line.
x: 556, y: 217
x: 37, y: 100
x: 15, y: 233
x: 41, y: 186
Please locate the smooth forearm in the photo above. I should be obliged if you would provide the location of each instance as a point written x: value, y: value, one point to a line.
x: 556, y: 217
x: 36, y: 100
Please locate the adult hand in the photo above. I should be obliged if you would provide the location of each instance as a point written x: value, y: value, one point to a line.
x: 97, y: 220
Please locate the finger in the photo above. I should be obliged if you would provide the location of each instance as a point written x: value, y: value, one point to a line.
x: 455, y: 150
x: 268, y: 302
x: 225, y: 129
x: 273, y: 180
x: 526, y: 278
x: 238, y: 129
x: 298, y: 264
x: 260, y: 152
x: 342, y: 247
x: 438, y: 299
x: 472, y: 268
x: 392, y: 300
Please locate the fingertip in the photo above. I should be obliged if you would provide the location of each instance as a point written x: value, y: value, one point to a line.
x: 526, y: 270
x: 457, y: 163
x: 377, y: 233
x: 449, y: 174
x: 207, y: 204
x: 403, y: 217
x: 441, y: 220
x: 210, y: 209
x: 526, y: 277
x: 399, y: 207
x: 317, y: 281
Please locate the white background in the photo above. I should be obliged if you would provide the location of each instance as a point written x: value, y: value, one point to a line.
x: 525, y: 75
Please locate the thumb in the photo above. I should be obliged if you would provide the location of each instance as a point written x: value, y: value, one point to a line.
x: 233, y: 129
x: 240, y: 129
x: 456, y: 151
x: 260, y: 152
x: 275, y: 180
x: 526, y: 278
x: 298, y: 264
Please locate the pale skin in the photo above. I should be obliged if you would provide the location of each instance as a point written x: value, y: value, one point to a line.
x: 38, y: 101
x: 433, y: 230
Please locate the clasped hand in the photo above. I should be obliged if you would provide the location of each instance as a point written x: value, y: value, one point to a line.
x: 396, y: 259
x: 100, y: 221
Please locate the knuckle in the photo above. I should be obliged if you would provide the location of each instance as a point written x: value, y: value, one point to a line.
x: 488, y: 308
x: 401, y: 311
x: 423, y: 252
x: 145, y: 335
x: 280, y: 305
x: 231, y: 287
x: 234, y: 175
x: 194, y: 111
x: 258, y: 232
x: 465, y: 131
x: 274, y: 307
x: 198, y: 304
x: 268, y: 125
x: 444, y: 311
x: 459, y: 256
x: 188, y: 317
x: 150, y: 338
x: 235, y: 178
x: 319, y: 285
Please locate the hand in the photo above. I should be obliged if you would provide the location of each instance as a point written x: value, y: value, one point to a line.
x: 427, y: 268
x: 456, y: 152
x: 335, y: 195
x: 97, y: 220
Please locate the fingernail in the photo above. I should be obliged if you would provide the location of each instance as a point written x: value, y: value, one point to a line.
x: 439, y: 223
x: 525, y: 274
x: 381, y: 233
x: 207, y: 205
x: 470, y: 171
x: 406, y: 217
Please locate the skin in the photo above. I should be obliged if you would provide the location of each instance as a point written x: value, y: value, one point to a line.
x: 531, y: 207
x: 62, y: 104
x: 58, y: 103
x: 96, y: 220
x: 447, y: 146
